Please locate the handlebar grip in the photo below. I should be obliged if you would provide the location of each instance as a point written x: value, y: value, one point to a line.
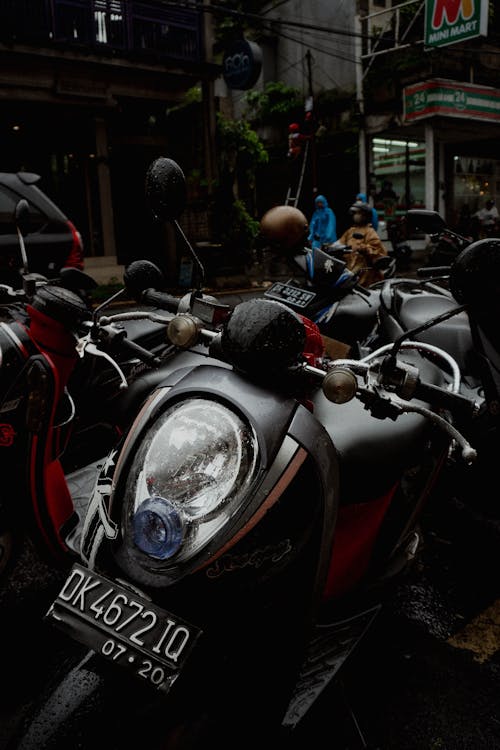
x: 137, y: 351
x: 362, y: 290
x: 454, y: 402
x: 433, y: 271
x: 160, y: 299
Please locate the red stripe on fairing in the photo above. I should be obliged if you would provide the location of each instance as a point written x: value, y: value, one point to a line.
x: 278, y: 489
x: 355, y: 534
x: 52, y: 484
x: 35, y: 503
x: 54, y: 341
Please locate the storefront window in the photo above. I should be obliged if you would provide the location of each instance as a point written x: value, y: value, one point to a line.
x: 398, y: 177
x: 475, y: 181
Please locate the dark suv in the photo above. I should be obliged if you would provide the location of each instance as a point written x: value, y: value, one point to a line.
x: 52, y: 242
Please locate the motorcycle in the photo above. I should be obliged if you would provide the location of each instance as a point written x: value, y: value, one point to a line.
x: 445, y: 244
x: 326, y: 291
x: 453, y: 307
x: 244, y: 532
x: 60, y: 399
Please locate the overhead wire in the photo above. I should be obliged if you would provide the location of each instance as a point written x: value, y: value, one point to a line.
x: 214, y: 8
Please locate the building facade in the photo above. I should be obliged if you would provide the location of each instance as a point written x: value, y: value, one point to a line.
x: 87, y: 88
x: 428, y: 115
x: 432, y: 114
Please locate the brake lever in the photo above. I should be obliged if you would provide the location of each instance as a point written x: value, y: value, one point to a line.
x: 86, y: 345
x: 346, y: 387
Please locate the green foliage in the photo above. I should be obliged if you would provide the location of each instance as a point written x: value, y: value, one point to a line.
x: 239, y: 147
x: 275, y: 105
x: 193, y: 96
x: 238, y: 229
x: 240, y: 154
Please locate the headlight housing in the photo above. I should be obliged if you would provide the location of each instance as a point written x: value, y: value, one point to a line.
x: 190, y: 475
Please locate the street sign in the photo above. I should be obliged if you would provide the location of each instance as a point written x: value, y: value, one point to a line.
x: 242, y: 64
x: 451, y: 21
x: 451, y: 99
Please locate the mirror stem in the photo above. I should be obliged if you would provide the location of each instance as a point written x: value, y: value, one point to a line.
x: 23, y: 251
x: 201, y: 270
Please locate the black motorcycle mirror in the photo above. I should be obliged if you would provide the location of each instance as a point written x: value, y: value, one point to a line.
x: 75, y: 280
x: 423, y: 221
x: 166, y: 194
x: 22, y: 219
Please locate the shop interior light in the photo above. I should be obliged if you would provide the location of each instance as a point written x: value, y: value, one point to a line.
x: 390, y: 142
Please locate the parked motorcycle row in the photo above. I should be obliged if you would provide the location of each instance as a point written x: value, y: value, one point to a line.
x: 232, y: 503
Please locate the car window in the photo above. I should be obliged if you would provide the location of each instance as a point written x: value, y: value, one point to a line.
x: 8, y: 202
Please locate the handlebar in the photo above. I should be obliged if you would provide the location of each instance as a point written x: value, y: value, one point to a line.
x: 386, y: 385
x: 162, y: 300
x: 433, y: 271
x: 333, y: 248
x: 401, y: 382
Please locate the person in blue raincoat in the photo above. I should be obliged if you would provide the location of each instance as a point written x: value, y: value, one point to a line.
x: 323, y: 224
x: 374, y: 222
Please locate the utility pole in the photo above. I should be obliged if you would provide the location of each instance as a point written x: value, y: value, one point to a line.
x: 360, y: 101
x: 314, y: 171
x: 208, y: 99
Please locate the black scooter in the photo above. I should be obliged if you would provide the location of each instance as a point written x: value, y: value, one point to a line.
x: 322, y: 287
x: 245, y: 531
x: 454, y: 307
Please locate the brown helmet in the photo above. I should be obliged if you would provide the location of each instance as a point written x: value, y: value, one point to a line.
x: 284, y: 226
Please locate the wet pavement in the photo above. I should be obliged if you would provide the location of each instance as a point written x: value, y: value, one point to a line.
x: 426, y: 677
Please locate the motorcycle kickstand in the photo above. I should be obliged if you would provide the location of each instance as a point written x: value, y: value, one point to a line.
x: 359, y: 734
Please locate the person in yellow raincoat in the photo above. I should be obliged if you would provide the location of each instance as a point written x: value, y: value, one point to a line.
x: 366, y: 246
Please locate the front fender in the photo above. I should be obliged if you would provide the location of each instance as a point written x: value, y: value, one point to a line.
x: 87, y: 706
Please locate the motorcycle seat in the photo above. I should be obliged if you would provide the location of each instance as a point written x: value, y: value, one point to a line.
x: 452, y: 335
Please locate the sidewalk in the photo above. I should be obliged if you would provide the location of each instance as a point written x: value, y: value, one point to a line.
x: 106, y: 271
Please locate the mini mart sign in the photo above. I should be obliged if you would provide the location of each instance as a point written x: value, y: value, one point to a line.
x: 451, y: 21
x: 451, y: 99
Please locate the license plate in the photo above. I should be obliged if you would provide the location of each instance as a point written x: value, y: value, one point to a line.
x: 123, y: 626
x: 292, y: 295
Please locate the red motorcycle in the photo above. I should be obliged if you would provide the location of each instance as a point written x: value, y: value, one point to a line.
x: 60, y: 399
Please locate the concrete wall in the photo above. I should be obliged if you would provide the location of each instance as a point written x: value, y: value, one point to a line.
x: 332, y: 61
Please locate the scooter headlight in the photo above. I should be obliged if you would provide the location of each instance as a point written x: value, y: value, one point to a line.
x: 189, y: 477
x: 158, y: 528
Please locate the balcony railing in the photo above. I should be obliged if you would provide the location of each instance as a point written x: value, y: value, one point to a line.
x: 150, y: 28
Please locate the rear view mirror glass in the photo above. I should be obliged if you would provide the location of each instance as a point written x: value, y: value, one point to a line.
x: 423, y: 221
x: 166, y: 190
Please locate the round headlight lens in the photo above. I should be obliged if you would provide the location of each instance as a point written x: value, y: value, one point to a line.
x: 189, y: 476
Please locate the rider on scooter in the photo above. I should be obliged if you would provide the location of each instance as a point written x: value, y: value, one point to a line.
x: 365, y: 245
